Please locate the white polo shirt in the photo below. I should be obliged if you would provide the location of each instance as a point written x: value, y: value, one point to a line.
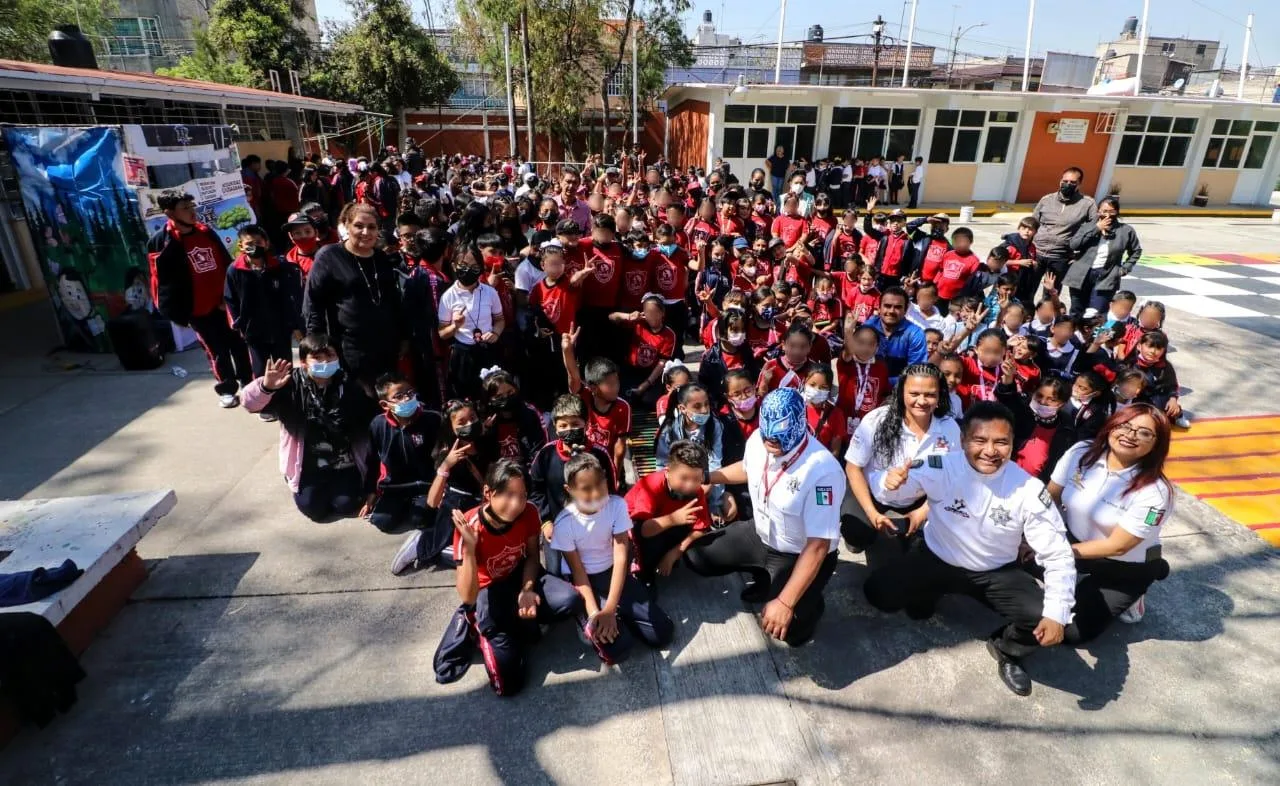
x: 591, y: 535
x: 805, y: 489
x: 1096, y: 502
x: 942, y: 437
x: 481, y: 306
x: 977, y: 522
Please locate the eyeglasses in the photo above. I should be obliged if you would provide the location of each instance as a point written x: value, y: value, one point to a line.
x: 1136, y: 432
x: 403, y: 396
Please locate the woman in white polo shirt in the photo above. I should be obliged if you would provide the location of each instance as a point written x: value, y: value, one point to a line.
x: 915, y: 423
x: 1115, y: 498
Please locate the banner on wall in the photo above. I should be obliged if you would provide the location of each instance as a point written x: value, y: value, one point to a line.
x: 199, y: 160
x: 85, y: 222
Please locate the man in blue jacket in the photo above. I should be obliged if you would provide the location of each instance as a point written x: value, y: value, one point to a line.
x: 901, y: 343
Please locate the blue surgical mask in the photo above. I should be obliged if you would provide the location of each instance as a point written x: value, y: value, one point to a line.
x: 768, y: 313
x: 668, y: 248
x: 323, y: 369
x: 406, y: 408
x: 699, y: 418
x: 639, y: 253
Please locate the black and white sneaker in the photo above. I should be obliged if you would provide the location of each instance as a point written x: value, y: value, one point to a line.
x: 407, y: 556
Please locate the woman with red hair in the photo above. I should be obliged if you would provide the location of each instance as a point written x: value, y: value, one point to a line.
x: 1115, y: 498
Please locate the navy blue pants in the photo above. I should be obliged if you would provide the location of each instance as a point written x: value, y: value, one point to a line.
x: 327, y: 494
x: 504, y: 638
x: 639, y: 616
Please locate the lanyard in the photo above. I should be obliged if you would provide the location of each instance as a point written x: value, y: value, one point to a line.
x: 786, y: 465
x: 982, y: 385
x: 864, y: 377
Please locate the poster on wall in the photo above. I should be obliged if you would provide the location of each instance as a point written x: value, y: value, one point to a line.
x: 85, y: 223
x: 1073, y: 130
x: 199, y: 160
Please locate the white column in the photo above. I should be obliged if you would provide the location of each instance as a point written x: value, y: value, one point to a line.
x: 782, y: 21
x: 1244, y: 60
x: 1026, y: 62
x: 911, y: 33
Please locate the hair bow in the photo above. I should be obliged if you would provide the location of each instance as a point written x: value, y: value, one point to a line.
x: 485, y: 373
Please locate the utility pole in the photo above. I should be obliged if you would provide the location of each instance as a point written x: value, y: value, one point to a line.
x: 911, y: 33
x: 1026, y: 61
x: 877, y: 28
x: 1244, y: 60
x: 1142, y: 44
x: 777, y: 68
x: 511, y: 103
x: 635, y: 85
x: 528, y: 80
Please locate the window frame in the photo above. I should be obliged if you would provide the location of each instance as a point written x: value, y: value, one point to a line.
x: 1241, y: 138
x: 960, y: 129
x: 890, y: 132
x: 1145, y: 133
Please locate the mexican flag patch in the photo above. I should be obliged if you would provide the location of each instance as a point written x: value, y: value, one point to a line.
x: 1154, y: 517
x: 824, y: 495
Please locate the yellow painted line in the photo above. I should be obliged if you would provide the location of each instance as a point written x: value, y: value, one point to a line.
x: 1221, y: 468
x: 1192, y: 259
x: 1271, y: 536
x: 1210, y: 487
x: 1224, y: 445
x: 1220, y: 428
x: 1258, y: 509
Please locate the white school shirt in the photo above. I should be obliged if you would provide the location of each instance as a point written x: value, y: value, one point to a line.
x: 481, y: 306
x: 1096, y: 503
x: 803, y: 502
x: 528, y: 275
x: 942, y: 437
x: 917, y: 174
x: 977, y: 522
x: 591, y: 535
x: 937, y: 322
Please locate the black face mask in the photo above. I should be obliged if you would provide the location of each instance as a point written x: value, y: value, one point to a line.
x: 502, y: 403
x: 467, y: 432
x: 1067, y: 190
x: 496, y: 519
x: 757, y: 184
x: 574, y: 438
x: 467, y: 276
x: 258, y: 252
x: 321, y: 226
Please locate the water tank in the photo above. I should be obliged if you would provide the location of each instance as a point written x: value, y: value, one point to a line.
x: 815, y: 33
x: 1130, y: 29
x: 68, y: 47
x: 706, y: 17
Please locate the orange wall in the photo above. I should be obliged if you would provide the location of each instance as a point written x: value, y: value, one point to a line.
x: 1046, y: 157
x: 688, y: 136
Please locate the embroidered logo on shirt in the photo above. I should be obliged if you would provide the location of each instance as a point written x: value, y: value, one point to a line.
x: 1154, y: 517
x: 1046, y: 498
x: 958, y: 508
x: 824, y: 495
x: 942, y: 444
x: 202, y: 259
x: 793, y: 484
x: 1000, y: 516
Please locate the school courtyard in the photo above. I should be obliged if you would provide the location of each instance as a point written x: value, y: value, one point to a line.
x: 267, y: 649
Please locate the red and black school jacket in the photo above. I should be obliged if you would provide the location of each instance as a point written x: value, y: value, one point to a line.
x: 1018, y: 248
x: 895, y: 254
x: 402, y: 454
x: 1037, y: 446
x: 520, y: 432
x: 188, y: 272
x: 265, y: 304
x: 1162, y: 382
x: 546, y: 477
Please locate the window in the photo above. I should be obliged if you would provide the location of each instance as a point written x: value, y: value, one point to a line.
x: 1152, y: 140
x: 739, y: 114
x: 1167, y: 48
x: 793, y: 127
x: 959, y: 136
x: 873, y: 131
x: 1238, y: 143
x: 1200, y: 49
x: 733, y: 142
x: 135, y: 36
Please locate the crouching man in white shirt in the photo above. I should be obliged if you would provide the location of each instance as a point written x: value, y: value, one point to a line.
x: 981, y: 508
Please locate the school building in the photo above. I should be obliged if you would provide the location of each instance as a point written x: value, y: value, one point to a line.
x: 984, y: 146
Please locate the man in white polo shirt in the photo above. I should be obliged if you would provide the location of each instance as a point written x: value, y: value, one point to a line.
x: 981, y: 508
x: 796, y: 488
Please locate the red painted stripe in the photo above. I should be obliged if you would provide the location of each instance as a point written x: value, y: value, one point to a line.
x: 1181, y: 438
x: 1227, y: 456
x: 1268, y: 525
x: 1210, y: 478
x: 1236, y: 417
x: 1251, y: 493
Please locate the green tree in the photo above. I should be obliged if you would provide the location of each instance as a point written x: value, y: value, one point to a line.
x: 385, y: 61
x: 233, y: 217
x: 246, y: 39
x: 25, y: 25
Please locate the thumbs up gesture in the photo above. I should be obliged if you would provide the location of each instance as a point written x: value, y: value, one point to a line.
x: 894, y: 479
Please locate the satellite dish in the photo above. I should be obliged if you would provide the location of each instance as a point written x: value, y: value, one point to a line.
x: 1178, y: 85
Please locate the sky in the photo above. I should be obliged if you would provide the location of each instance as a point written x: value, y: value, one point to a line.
x: 1060, y: 24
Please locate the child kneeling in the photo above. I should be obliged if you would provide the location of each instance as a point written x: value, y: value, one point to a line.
x: 505, y: 594
x: 591, y: 532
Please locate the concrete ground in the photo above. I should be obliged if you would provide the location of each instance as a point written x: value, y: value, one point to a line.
x: 267, y: 649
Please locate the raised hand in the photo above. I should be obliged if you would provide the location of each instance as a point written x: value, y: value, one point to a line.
x: 468, y: 534
x: 687, y: 514
x: 1008, y: 371
x: 276, y: 375
x: 567, y: 340
x: 1050, y: 282
x: 897, y: 476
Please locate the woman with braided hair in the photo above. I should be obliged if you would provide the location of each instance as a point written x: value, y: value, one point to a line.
x: 915, y: 423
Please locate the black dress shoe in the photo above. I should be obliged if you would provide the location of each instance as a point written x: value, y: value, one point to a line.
x: 1014, y: 677
x: 755, y: 592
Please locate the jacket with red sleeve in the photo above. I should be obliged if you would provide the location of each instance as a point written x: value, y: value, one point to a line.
x: 173, y: 280
x: 265, y: 304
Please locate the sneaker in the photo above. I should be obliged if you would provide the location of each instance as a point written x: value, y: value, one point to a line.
x: 407, y: 556
x: 1182, y: 422
x: 228, y: 401
x: 447, y: 555
x: 1135, y: 612
x: 267, y: 417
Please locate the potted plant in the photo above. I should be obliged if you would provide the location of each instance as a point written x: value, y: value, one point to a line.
x: 1202, y: 196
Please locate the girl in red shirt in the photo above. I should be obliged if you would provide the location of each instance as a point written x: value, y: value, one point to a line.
x: 863, y: 377
x: 982, y: 368
x: 785, y: 371
x: 762, y: 215
x: 866, y: 297
x: 650, y: 345
x: 827, y: 310
x: 1024, y: 350
x: 826, y: 421
x: 790, y: 227
x: 743, y: 401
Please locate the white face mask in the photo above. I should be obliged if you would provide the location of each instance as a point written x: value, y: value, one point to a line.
x: 814, y: 395
x: 749, y: 271
x: 594, y: 506
x: 736, y: 339
x: 797, y: 188
x: 1043, y: 411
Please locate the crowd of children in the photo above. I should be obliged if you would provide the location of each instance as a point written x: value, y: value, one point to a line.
x: 470, y: 372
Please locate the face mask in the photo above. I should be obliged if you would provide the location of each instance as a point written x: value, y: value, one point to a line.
x: 574, y: 438
x: 757, y: 184
x: 467, y: 276
x: 797, y: 188
x: 768, y: 313
x: 136, y: 296
x: 640, y: 253
x: 749, y: 271
x: 502, y: 403
x: 814, y: 395
x: 824, y: 296
x: 668, y: 248
x: 405, y: 409
x: 307, y: 245
x: 494, y: 262
x: 593, y: 506
x: 699, y: 418
x: 323, y: 369
x: 1079, y: 403
x: 257, y: 252
x: 736, y: 339
x: 321, y: 225
x: 1067, y: 190
x: 747, y: 404
x: 467, y: 431
x: 1043, y: 411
